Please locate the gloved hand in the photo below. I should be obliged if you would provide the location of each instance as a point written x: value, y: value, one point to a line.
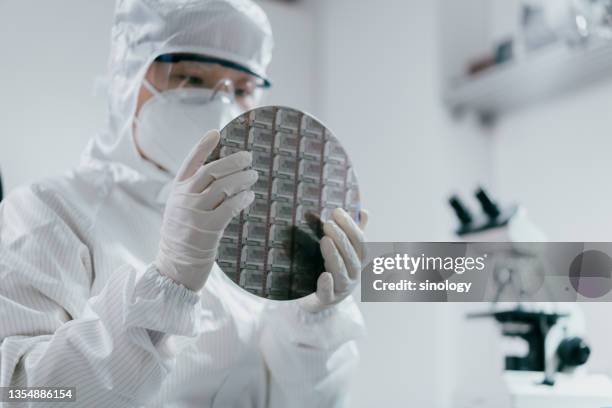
x: 201, y: 204
x: 342, y: 251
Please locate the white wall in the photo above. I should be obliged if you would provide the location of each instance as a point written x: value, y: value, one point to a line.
x: 53, y: 51
x: 379, y: 103
x: 295, y: 48
x: 380, y: 68
x: 554, y: 158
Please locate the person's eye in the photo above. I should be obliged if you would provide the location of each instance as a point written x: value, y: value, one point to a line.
x: 241, y: 93
x: 194, y: 81
x: 188, y: 80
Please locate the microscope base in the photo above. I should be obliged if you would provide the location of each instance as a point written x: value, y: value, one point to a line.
x: 569, y: 391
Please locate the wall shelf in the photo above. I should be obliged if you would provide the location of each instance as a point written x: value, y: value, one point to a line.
x: 536, y: 76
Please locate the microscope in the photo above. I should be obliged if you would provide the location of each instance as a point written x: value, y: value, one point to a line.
x: 553, y: 348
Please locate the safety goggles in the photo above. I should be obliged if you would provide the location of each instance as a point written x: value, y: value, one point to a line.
x: 177, y: 71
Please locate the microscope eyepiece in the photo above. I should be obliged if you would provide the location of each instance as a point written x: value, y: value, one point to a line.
x: 488, y: 206
x: 460, y: 210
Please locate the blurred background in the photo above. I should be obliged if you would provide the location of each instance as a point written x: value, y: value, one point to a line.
x: 430, y: 98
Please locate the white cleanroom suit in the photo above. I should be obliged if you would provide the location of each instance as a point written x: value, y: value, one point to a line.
x: 81, y: 303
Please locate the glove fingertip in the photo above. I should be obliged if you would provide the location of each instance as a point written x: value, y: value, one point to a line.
x: 325, y: 288
x: 198, y: 155
x: 328, y: 227
x: 249, y: 197
x: 212, y: 135
x: 326, y: 243
x: 208, y: 143
x: 245, y: 200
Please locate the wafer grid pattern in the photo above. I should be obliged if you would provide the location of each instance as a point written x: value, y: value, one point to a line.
x: 302, y: 169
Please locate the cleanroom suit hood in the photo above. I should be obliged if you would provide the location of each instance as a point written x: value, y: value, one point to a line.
x: 82, y: 305
x: 231, y: 30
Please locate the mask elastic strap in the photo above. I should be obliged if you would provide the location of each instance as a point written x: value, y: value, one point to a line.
x: 149, y: 86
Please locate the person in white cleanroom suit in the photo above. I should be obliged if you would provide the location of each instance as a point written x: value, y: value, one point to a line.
x: 108, y: 281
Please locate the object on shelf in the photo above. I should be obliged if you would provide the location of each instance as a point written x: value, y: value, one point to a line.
x: 536, y: 30
x: 603, y: 18
x: 594, y: 17
x: 504, y: 52
x: 542, y: 23
x: 481, y: 64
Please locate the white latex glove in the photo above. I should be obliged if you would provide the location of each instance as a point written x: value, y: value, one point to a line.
x: 342, y: 249
x: 201, y: 204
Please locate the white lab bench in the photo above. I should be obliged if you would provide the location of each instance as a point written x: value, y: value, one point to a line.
x: 569, y: 391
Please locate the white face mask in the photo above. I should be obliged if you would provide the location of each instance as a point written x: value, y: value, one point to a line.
x: 170, y: 123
